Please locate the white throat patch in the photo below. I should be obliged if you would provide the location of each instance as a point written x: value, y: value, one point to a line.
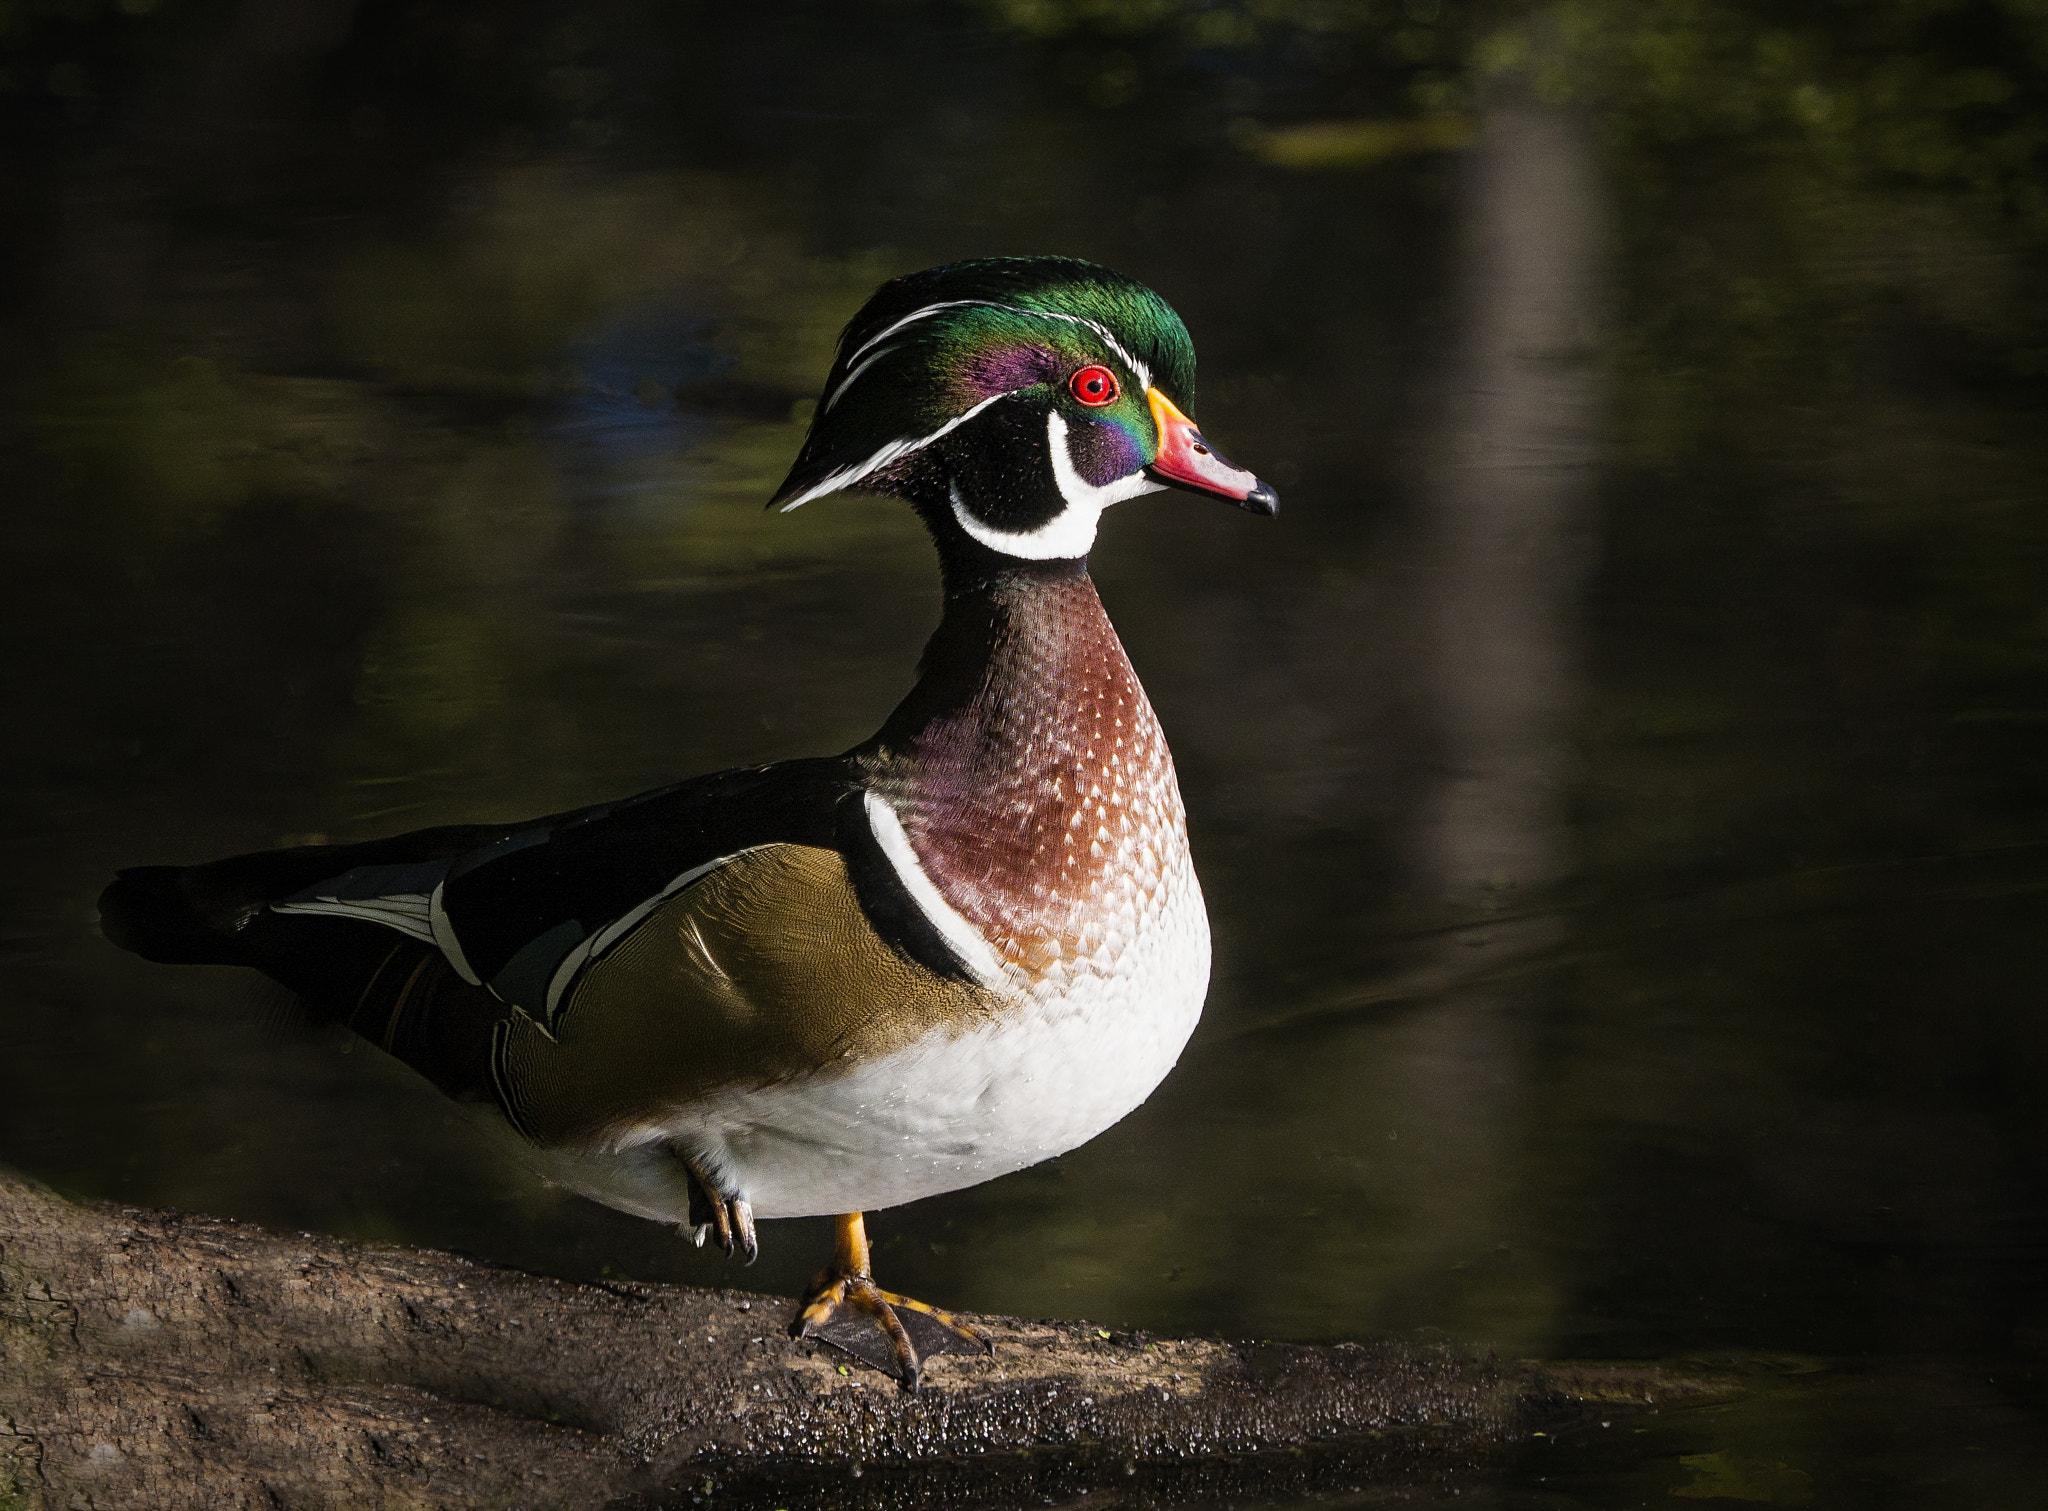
x: 1071, y: 532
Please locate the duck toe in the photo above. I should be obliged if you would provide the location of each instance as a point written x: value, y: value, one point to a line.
x: 893, y: 1333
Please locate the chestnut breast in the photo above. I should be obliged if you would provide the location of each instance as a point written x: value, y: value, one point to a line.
x: 1042, y: 803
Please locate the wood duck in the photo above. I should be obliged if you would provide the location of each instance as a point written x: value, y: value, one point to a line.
x: 827, y: 985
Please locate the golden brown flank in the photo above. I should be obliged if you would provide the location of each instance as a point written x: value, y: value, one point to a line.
x: 766, y: 970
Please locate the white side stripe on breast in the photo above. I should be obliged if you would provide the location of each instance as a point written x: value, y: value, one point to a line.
x: 444, y: 937
x: 964, y: 937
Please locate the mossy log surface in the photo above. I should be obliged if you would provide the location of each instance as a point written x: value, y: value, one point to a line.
x: 164, y: 1360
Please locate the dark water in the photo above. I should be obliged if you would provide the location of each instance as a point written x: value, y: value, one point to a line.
x: 1617, y: 778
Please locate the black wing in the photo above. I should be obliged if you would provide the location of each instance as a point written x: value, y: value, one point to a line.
x: 423, y: 941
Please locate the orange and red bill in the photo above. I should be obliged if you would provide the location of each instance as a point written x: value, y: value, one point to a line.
x: 1185, y: 460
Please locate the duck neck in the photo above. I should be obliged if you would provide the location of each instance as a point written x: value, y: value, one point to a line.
x: 1026, y: 765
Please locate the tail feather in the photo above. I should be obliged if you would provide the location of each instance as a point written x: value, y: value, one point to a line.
x: 198, y: 915
x: 156, y: 912
x: 374, y: 977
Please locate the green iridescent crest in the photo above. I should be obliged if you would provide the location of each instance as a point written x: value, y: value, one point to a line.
x: 932, y: 349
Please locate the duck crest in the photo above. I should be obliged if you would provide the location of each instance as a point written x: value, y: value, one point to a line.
x: 1033, y: 780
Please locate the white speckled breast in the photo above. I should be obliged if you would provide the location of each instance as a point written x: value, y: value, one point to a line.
x: 1044, y: 809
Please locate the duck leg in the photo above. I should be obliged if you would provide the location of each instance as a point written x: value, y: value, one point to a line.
x: 713, y: 1212
x: 895, y: 1334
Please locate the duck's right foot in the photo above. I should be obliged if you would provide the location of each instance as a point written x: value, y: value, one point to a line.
x: 719, y: 1214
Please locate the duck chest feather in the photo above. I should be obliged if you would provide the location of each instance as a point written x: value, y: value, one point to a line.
x: 758, y: 1018
x: 1043, y: 803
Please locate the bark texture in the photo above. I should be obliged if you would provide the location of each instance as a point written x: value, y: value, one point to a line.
x: 164, y: 1360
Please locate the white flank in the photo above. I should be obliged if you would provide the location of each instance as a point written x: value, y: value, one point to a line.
x: 1071, y: 532
x: 963, y: 1104
x: 963, y: 936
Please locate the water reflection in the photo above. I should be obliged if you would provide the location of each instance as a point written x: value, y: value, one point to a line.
x: 1620, y: 950
x: 623, y: 422
x: 1508, y: 491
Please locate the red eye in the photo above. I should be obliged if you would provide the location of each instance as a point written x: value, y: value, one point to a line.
x: 1094, y: 386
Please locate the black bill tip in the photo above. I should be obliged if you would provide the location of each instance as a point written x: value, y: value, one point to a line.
x: 1261, y: 500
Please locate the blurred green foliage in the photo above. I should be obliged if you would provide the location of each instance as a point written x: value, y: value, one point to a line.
x: 1830, y: 274
x: 1937, y: 89
x: 1952, y: 93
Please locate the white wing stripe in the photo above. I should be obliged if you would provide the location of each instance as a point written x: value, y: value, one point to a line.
x: 618, y: 928
x: 406, y: 912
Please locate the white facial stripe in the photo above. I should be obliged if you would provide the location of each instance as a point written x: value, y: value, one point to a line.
x: 855, y: 366
x: 1071, y: 532
x: 1143, y: 372
x: 964, y: 937
x: 1077, y: 490
x: 919, y: 314
x: 872, y: 351
x: 1067, y: 535
x: 854, y: 372
x: 846, y: 477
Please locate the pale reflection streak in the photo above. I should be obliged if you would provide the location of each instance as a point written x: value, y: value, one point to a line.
x: 1505, y: 502
x: 1508, y: 504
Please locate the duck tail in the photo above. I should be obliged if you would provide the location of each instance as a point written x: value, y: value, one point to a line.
x: 213, y: 914
x: 383, y: 982
x: 167, y: 914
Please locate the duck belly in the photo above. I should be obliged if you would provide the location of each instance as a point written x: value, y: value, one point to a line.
x: 956, y: 1109
x: 957, y: 1106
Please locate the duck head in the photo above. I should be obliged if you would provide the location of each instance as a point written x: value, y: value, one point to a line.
x: 1012, y: 400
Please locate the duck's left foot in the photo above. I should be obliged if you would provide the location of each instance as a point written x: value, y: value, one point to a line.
x: 719, y: 1214
x: 893, y: 1333
x: 878, y: 1327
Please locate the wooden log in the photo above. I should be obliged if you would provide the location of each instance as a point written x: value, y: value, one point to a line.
x: 164, y: 1360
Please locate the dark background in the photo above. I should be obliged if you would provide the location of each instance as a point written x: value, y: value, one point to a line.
x: 1617, y: 778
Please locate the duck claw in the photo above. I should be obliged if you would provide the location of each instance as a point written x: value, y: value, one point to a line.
x: 727, y: 1217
